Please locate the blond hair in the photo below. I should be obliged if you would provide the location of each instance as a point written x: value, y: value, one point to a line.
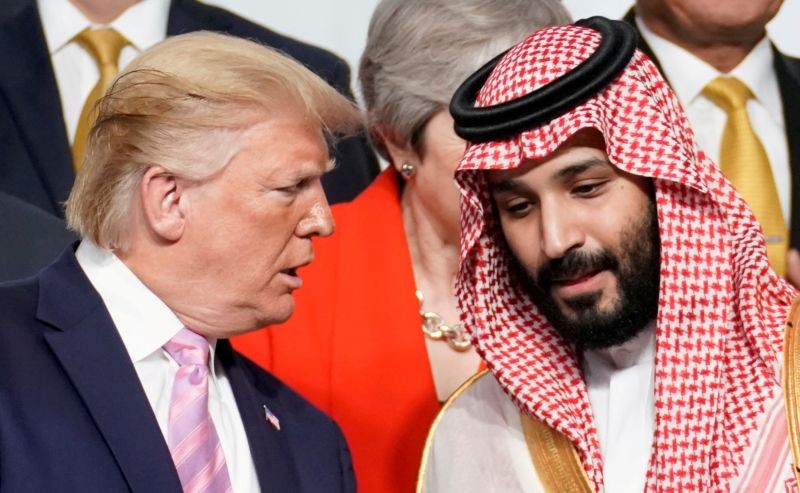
x: 183, y: 105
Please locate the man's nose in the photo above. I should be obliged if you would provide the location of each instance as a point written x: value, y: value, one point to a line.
x: 318, y: 220
x: 561, y: 230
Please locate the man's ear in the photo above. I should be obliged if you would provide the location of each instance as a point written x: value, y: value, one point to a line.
x: 163, y: 203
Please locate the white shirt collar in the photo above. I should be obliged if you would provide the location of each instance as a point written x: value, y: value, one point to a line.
x: 143, y: 321
x: 688, y: 75
x: 758, y: 73
x: 143, y: 24
x: 640, y: 350
x: 61, y: 21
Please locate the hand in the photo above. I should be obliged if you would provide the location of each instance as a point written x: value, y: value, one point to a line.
x: 793, y: 267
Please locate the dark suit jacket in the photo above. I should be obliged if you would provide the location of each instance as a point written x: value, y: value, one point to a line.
x: 35, y: 160
x: 31, y: 237
x: 74, y: 416
x: 787, y: 71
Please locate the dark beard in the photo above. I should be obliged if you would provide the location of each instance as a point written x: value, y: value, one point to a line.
x: 636, y: 266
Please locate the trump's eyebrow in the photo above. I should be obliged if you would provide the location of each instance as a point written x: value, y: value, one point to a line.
x: 516, y: 185
x: 332, y: 164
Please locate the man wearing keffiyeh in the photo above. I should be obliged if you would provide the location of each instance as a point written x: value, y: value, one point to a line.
x: 616, y: 285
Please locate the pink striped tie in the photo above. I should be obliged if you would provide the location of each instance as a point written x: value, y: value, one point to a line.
x: 193, y: 440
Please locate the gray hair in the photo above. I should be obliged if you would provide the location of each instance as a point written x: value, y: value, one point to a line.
x: 419, y: 51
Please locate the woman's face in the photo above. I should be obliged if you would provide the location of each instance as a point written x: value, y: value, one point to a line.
x: 440, y: 151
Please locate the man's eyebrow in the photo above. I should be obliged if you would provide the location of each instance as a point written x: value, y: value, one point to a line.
x: 515, y: 185
x: 329, y: 166
x: 332, y: 164
x: 306, y: 173
x: 507, y: 185
x: 580, y: 167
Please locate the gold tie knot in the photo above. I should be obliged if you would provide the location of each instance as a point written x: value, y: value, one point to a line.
x: 104, y: 45
x: 729, y: 93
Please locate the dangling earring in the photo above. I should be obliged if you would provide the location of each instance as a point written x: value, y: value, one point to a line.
x: 407, y: 170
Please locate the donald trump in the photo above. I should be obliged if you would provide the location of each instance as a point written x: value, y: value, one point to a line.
x: 196, y: 202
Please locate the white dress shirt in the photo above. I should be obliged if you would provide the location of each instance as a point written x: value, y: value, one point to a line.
x: 143, y: 24
x: 622, y: 393
x: 145, y: 324
x: 688, y: 75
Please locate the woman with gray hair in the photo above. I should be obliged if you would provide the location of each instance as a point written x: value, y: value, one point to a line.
x: 382, y: 346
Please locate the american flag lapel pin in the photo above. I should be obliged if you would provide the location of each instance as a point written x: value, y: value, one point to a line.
x: 271, y: 418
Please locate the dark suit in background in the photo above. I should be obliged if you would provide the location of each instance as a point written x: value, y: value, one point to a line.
x: 74, y: 416
x: 36, y: 161
x: 787, y: 71
x: 31, y: 238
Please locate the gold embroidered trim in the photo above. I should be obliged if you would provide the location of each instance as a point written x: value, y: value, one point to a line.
x: 429, y: 440
x: 791, y: 383
x: 556, y: 461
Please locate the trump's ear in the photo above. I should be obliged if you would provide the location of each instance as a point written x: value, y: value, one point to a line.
x: 162, y: 196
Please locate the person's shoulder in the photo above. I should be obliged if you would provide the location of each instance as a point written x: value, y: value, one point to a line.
x: 18, y: 307
x: 13, y: 8
x: 792, y: 63
x: 787, y: 71
x: 324, y: 63
x: 31, y: 238
x: 789, y: 58
x: 479, y: 394
x: 18, y: 298
x: 499, y: 458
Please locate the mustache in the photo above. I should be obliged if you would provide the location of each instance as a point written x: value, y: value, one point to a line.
x: 573, y: 264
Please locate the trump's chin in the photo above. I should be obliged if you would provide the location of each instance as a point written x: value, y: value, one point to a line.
x: 229, y: 321
x: 276, y: 313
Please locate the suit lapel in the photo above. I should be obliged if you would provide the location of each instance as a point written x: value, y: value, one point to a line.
x: 269, y: 447
x: 30, y: 89
x: 787, y: 72
x: 92, y: 355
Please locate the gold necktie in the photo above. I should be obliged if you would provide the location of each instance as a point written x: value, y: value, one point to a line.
x: 105, y: 46
x: 744, y: 161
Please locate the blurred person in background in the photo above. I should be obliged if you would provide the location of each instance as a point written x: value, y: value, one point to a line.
x: 199, y: 197
x: 718, y: 59
x: 31, y: 237
x: 376, y: 340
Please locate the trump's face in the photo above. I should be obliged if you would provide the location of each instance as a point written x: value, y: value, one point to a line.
x: 250, y: 227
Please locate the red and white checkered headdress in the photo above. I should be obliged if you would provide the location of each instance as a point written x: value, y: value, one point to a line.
x: 721, y: 308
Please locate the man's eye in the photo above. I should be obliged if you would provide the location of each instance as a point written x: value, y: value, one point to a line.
x: 293, y: 189
x: 289, y: 190
x: 518, y: 207
x: 588, y: 189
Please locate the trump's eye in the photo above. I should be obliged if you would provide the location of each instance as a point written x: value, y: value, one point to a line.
x: 294, y: 188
